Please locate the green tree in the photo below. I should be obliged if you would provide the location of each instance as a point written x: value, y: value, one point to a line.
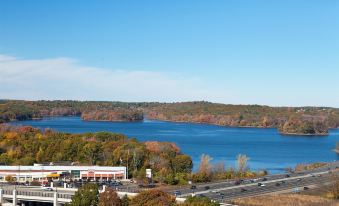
x: 124, y: 201
x: 182, y: 163
x: 92, y: 151
x: 87, y: 195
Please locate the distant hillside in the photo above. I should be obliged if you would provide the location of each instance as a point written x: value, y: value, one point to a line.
x: 289, y: 120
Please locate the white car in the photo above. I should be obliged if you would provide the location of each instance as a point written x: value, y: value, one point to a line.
x: 47, y: 189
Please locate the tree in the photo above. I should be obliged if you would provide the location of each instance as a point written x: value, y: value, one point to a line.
x: 92, y: 151
x: 87, y: 195
x: 242, y: 163
x: 109, y: 198
x: 9, y: 178
x: 204, y: 173
x: 153, y: 198
x: 205, y: 165
x: 124, y: 201
x: 182, y: 163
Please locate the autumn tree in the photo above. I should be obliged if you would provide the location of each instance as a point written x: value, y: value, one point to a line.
x: 205, y: 165
x: 153, y: 198
x: 205, y: 170
x: 9, y: 178
x: 109, y: 198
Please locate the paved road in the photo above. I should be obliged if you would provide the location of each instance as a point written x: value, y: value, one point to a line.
x: 227, y: 190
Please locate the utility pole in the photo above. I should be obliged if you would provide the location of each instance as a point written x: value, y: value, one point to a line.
x: 127, y: 164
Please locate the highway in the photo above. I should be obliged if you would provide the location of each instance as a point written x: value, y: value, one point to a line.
x: 228, y: 190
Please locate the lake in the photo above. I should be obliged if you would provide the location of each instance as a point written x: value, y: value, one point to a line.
x: 266, y: 148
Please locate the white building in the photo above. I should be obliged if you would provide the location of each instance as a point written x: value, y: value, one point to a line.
x: 42, y: 172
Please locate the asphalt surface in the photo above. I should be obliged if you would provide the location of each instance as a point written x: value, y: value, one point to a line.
x: 292, y: 182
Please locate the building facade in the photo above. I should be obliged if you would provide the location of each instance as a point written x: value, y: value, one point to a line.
x: 60, y: 173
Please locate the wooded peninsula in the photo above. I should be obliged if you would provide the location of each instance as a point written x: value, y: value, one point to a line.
x: 289, y: 120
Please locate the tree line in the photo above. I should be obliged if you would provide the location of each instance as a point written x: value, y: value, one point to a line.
x: 289, y: 120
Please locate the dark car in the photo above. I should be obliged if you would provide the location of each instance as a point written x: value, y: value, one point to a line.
x: 264, y: 179
x: 193, y: 187
x: 237, y: 182
x: 207, y: 187
x: 243, y: 190
x: 287, y: 175
x: 151, y: 185
x: 306, y: 188
x: 141, y: 186
x: 277, y: 184
x: 177, y: 193
x: 115, y: 184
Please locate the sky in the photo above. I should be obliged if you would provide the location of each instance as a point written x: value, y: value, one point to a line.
x: 278, y: 53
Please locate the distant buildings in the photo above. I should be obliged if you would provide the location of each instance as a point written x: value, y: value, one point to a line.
x: 39, y: 172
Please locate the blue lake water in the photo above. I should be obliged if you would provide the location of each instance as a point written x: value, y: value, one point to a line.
x: 266, y: 148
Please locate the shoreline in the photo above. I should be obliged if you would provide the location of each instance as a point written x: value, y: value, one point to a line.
x: 187, y: 122
x: 301, y: 134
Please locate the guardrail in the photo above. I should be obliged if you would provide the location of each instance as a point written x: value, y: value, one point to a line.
x: 14, y: 196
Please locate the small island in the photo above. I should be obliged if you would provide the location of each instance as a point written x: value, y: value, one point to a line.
x: 297, y: 126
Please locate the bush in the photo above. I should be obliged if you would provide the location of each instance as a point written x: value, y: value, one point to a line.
x: 199, y: 201
x: 35, y: 183
x: 10, y: 178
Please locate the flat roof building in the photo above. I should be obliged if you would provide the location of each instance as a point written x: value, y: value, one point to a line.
x: 42, y: 172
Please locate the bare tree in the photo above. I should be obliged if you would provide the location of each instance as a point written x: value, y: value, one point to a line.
x: 219, y: 167
x: 242, y: 163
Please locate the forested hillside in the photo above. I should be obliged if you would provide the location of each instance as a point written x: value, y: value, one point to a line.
x: 28, y: 145
x: 289, y: 120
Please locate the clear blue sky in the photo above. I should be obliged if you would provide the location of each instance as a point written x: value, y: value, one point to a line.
x: 247, y: 52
